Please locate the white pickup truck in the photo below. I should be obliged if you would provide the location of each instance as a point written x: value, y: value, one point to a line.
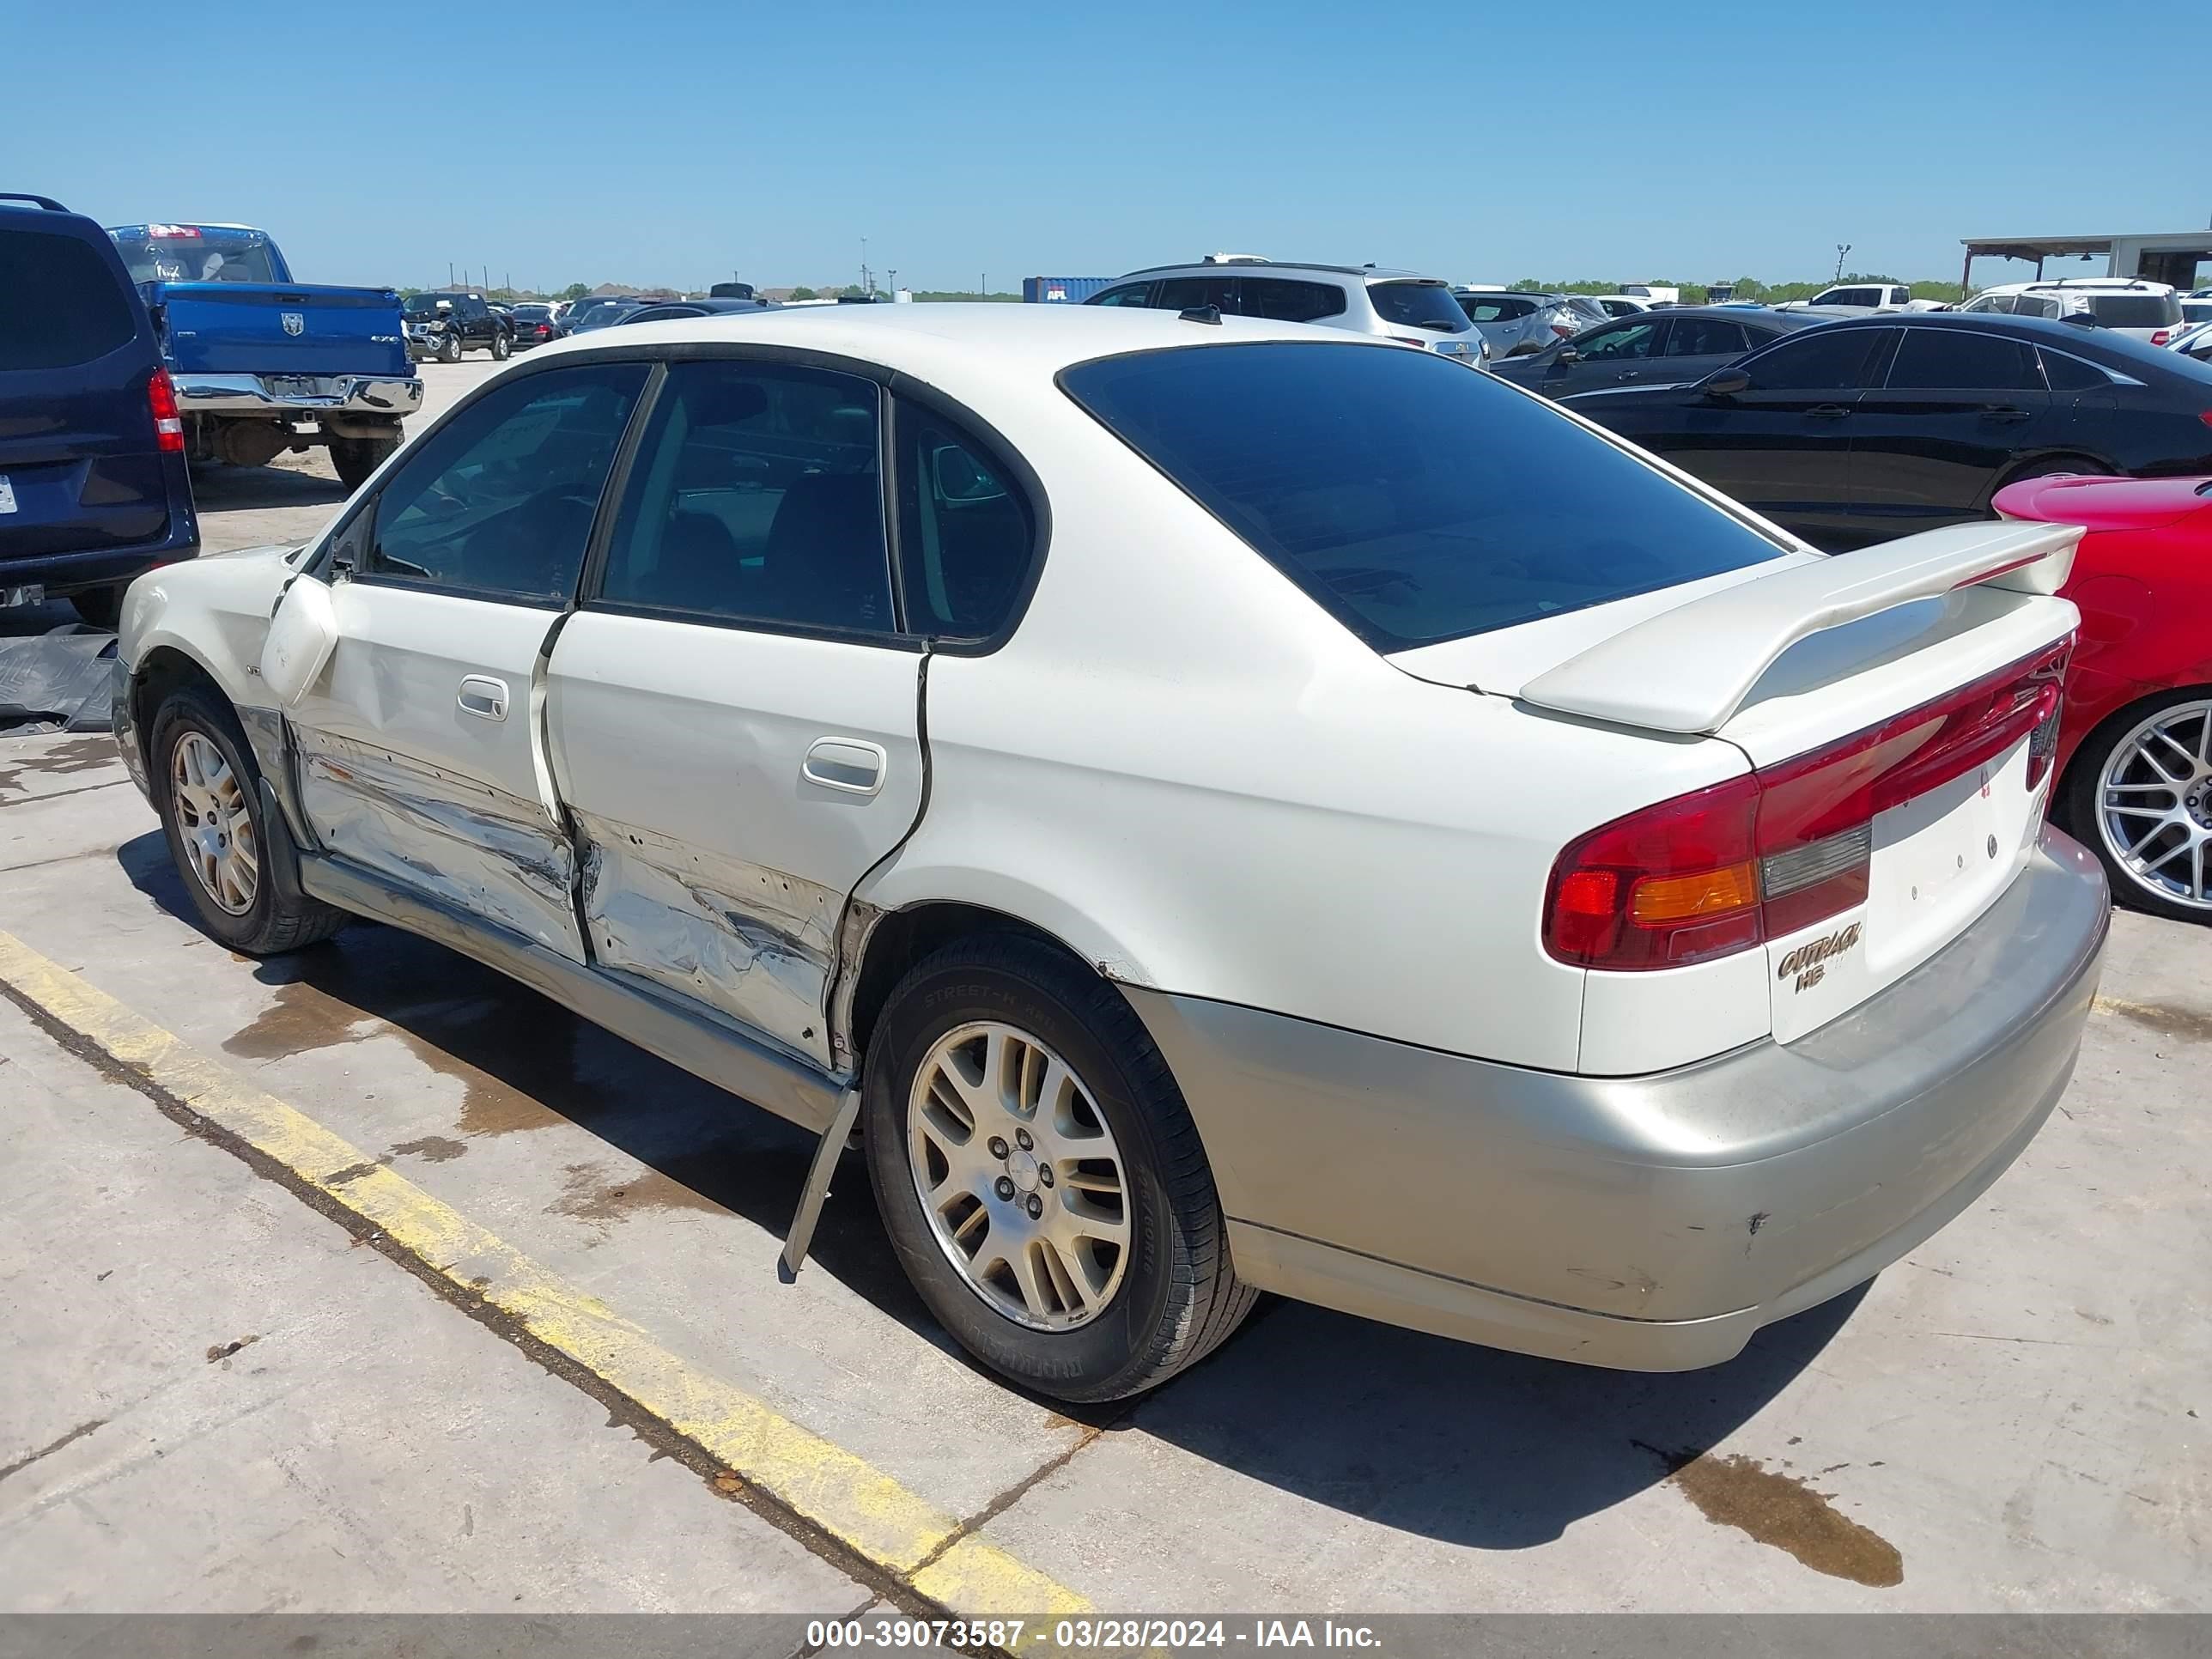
x: 1858, y: 297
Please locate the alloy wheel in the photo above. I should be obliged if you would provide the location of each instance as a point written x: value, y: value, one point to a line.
x: 2155, y: 803
x: 1025, y: 1190
x: 214, y: 823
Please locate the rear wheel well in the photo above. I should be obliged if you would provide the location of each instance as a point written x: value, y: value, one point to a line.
x: 904, y: 938
x: 166, y: 670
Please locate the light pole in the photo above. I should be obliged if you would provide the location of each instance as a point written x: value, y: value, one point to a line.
x: 1842, y: 248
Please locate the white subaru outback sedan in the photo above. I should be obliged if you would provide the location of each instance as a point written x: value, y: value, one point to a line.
x: 1216, y: 806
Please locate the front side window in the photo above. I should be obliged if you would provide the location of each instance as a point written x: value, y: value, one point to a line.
x: 966, y: 536
x: 500, y: 500
x: 1819, y: 360
x: 1631, y: 342
x: 1283, y: 301
x: 1129, y: 293
x: 1413, y: 501
x: 1704, y: 336
x: 1953, y: 358
x: 61, y: 303
x: 756, y: 497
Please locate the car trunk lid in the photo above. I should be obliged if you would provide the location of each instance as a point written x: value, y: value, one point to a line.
x: 2099, y: 503
x: 1897, y: 708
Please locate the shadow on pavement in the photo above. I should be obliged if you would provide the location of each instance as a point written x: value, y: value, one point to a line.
x: 1468, y: 1445
x: 242, y: 489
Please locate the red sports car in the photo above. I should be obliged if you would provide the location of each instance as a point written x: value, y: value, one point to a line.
x: 2134, y: 743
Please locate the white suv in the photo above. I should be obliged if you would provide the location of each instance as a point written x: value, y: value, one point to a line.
x: 1218, y: 806
x: 2148, y: 311
x: 1399, y: 304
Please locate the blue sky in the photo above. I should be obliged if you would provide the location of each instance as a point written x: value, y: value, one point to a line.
x: 680, y: 142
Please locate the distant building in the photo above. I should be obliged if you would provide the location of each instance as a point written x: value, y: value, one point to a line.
x: 2171, y: 257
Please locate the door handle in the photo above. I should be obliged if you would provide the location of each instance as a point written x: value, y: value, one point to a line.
x: 2004, y: 412
x: 484, y: 697
x: 1829, y: 411
x: 851, y: 764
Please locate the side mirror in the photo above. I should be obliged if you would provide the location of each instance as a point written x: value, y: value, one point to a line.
x: 301, y: 636
x: 1566, y: 355
x: 1726, y: 383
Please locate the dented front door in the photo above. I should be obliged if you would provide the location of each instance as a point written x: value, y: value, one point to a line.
x: 422, y: 744
x: 417, y: 760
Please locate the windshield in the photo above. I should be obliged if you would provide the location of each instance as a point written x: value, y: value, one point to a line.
x: 202, y: 255
x: 426, y: 305
x: 601, y: 313
x: 1418, y: 305
x: 1411, y: 500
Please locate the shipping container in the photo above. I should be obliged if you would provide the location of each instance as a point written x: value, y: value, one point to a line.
x: 1060, y: 290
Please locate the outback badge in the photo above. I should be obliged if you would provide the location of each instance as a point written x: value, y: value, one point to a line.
x: 1808, y: 963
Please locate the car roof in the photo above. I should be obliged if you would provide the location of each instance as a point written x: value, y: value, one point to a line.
x: 2109, y: 347
x: 1278, y: 268
x: 949, y: 342
x: 2110, y: 284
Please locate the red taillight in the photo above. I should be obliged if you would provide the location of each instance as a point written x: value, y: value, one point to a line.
x: 1406, y: 339
x: 2206, y: 417
x: 1761, y: 856
x: 162, y: 401
x: 2161, y: 336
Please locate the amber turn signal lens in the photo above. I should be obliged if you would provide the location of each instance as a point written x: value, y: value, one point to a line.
x: 1658, y: 900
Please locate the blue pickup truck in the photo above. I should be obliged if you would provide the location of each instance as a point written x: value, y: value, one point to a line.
x: 263, y: 363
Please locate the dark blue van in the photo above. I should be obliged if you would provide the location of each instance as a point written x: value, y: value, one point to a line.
x: 93, y: 484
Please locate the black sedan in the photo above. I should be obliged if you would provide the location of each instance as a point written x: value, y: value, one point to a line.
x: 1858, y: 431
x: 1652, y: 348
x: 712, y: 307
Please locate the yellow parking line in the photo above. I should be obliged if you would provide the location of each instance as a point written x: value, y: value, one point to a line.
x: 894, y: 1528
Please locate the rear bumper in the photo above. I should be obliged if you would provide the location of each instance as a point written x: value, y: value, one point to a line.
x: 1651, y: 1223
x: 61, y: 574
x: 299, y: 395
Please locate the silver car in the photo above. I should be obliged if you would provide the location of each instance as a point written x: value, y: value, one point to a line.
x: 1515, y: 323
x: 1401, y: 305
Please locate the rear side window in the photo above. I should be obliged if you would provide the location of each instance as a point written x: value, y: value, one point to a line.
x: 756, y: 499
x: 498, y: 501
x: 2068, y: 374
x: 1704, y: 336
x: 965, y: 532
x: 1411, y: 500
x: 1188, y: 292
x: 2135, y: 310
x: 1419, y: 305
x: 1955, y: 359
x: 1495, y: 307
x: 60, y: 303
x: 1283, y: 301
x: 1819, y: 360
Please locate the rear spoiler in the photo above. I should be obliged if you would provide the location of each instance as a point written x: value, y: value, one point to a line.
x: 1690, y: 669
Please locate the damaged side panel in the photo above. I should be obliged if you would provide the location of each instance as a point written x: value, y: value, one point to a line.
x: 455, y: 839
x: 750, y: 942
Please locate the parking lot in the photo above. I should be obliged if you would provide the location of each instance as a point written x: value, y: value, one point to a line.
x: 368, y: 1280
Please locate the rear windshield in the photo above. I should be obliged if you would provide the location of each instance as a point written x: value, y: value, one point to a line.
x: 1415, y: 501
x: 1418, y: 305
x: 2135, y: 310
x: 64, y: 304
x: 205, y: 256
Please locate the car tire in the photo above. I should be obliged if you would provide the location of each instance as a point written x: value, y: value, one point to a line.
x: 2115, y: 753
x: 98, y: 607
x: 192, y: 732
x: 1173, y: 1294
x: 450, y: 348
x: 355, y: 458
x: 501, y: 347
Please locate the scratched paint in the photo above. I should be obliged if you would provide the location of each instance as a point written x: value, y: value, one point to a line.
x: 750, y: 942
x: 493, y: 855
